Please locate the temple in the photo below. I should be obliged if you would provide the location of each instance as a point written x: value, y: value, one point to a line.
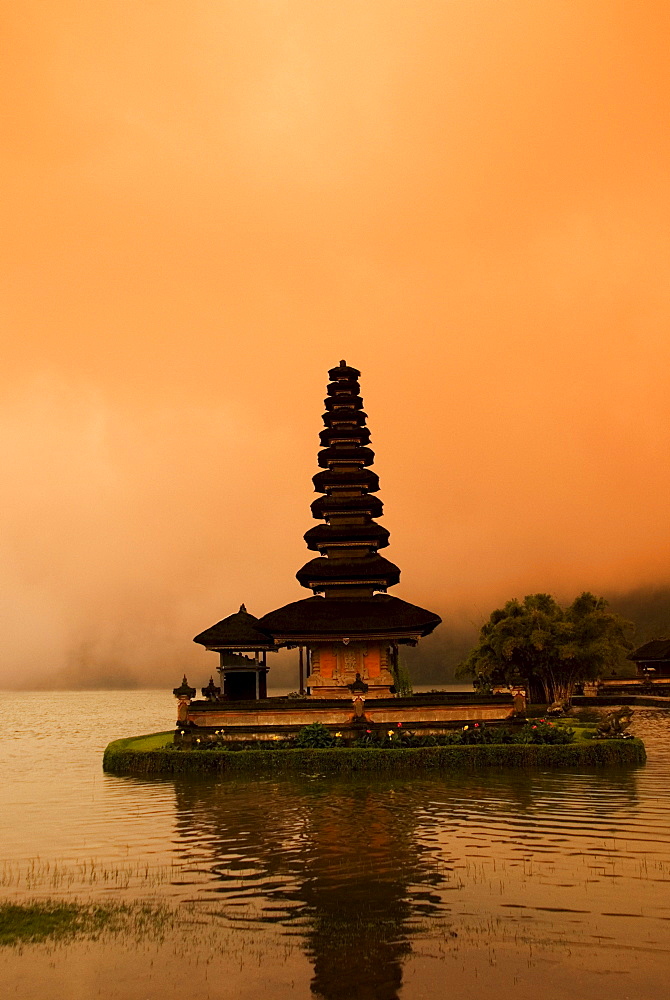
x: 352, y: 632
x: 348, y: 633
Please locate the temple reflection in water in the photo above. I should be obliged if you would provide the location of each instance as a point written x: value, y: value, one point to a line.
x: 361, y: 870
x: 332, y: 860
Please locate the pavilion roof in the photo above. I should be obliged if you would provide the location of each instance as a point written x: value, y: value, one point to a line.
x: 656, y: 649
x: 380, y: 614
x: 238, y: 631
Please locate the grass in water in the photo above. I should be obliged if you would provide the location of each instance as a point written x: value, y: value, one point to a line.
x: 41, y: 877
x: 52, y: 920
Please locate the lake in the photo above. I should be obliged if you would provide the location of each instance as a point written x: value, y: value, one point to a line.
x: 505, y: 884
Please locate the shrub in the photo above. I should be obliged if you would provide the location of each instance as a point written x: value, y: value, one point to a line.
x: 544, y: 732
x: 119, y: 759
x: 475, y: 733
x: 314, y: 737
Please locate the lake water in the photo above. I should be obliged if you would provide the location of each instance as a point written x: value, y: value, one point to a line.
x: 502, y: 884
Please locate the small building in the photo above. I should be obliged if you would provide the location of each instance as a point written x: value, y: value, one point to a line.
x: 242, y: 649
x: 652, y: 659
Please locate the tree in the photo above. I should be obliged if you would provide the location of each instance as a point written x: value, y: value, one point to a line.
x: 402, y: 681
x: 551, y: 648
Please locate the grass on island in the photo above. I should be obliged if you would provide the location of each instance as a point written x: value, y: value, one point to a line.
x: 159, y: 741
x: 36, y: 922
x: 155, y: 755
x: 154, y: 742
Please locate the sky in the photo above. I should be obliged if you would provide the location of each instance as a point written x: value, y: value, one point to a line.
x: 209, y: 203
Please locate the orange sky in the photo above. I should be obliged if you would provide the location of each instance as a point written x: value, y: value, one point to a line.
x: 207, y: 204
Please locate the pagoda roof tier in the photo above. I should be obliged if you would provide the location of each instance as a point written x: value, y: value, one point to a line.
x: 344, y: 386
x: 368, y: 570
x: 347, y: 402
x: 324, y: 507
x: 381, y: 616
x: 336, y: 479
x: 346, y: 432
x: 343, y: 370
x: 344, y: 414
x: 345, y: 456
x: 323, y: 536
x: 238, y: 631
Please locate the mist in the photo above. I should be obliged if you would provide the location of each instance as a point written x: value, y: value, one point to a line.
x: 206, y: 206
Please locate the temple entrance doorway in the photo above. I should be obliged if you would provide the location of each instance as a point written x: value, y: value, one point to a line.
x: 240, y: 685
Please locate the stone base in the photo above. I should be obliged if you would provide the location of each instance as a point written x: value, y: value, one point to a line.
x: 284, y: 716
x: 344, y: 694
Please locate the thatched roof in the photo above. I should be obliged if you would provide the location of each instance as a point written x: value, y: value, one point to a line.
x: 333, y: 479
x: 357, y: 617
x: 368, y: 569
x: 322, y: 535
x: 238, y: 631
x: 351, y: 433
x: 365, y: 504
x: 656, y: 649
x: 353, y: 455
x: 343, y: 415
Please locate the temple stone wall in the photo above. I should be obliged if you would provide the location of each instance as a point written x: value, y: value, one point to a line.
x: 304, y: 713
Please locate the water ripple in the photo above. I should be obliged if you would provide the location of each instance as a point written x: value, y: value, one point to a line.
x: 586, y: 846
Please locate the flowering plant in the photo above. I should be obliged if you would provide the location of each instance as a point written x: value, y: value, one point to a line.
x: 544, y: 732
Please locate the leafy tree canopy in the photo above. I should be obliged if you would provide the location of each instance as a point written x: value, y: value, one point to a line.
x: 550, y: 647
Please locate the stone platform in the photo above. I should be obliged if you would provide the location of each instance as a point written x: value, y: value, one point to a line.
x: 273, y: 717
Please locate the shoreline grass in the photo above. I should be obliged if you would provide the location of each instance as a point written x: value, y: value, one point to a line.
x: 59, y: 921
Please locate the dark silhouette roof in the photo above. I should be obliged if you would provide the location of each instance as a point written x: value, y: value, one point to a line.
x: 184, y: 689
x: 343, y: 388
x: 344, y: 415
x: 350, y: 433
x: 238, y: 631
x: 365, y: 504
x: 323, y: 535
x: 344, y: 617
x: 351, y: 455
x: 333, y: 479
x: 370, y: 568
x: 656, y: 649
x: 346, y: 400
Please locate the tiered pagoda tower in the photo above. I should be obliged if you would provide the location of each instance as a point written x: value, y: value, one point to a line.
x: 352, y: 632
x: 348, y: 564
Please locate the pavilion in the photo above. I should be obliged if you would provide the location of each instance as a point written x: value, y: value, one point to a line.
x: 236, y: 639
x: 652, y: 660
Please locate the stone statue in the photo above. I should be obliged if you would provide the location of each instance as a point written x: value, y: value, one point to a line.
x: 616, y: 723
